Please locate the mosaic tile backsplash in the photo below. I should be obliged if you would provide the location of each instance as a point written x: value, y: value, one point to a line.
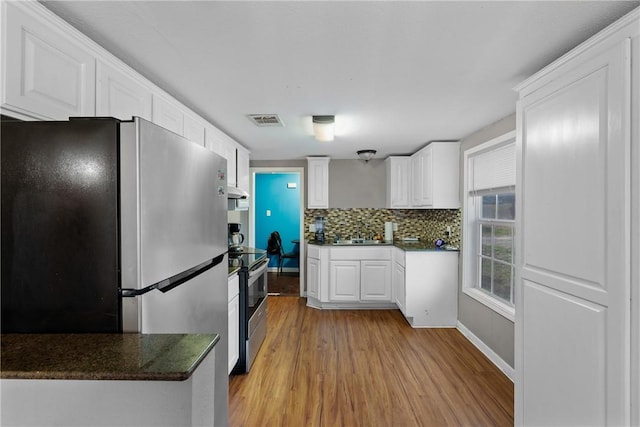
x: 426, y: 224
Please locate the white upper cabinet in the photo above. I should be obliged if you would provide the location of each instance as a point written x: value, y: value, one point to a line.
x: 221, y: 144
x: 398, y: 181
x: 193, y: 129
x: 428, y: 179
x: 318, y: 182
x: 435, y: 176
x: 167, y: 114
x: 48, y: 73
x: 242, y: 168
x: 422, y: 183
x: 120, y: 95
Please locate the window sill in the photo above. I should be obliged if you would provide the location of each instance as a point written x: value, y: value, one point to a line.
x: 494, y: 304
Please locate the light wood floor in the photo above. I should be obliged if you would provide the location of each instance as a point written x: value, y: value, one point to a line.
x: 365, y: 368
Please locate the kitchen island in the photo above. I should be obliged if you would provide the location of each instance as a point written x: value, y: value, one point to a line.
x: 107, y: 379
x: 416, y: 277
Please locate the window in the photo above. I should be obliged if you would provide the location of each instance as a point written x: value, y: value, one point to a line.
x: 489, y: 224
x: 496, y: 222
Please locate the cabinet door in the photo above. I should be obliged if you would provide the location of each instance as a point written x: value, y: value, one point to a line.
x: 167, y: 114
x: 119, y: 95
x: 399, y: 286
x: 219, y: 143
x: 47, y: 73
x: 416, y: 180
x: 426, y: 177
x: 242, y: 171
x: 444, y: 175
x: 234, y: 331
x: 193, y: 129
x: 318, y: 182
x: 375, y: 280
x: 313, y: 277
x: 344, y: 284
x: 398, y: 178
x: 572, y: 300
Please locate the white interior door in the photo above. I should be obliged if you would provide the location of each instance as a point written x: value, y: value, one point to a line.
x: 573, y: 283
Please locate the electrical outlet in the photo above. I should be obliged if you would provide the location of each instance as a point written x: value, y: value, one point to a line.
x: 312, y: 228
x: 448, y: 230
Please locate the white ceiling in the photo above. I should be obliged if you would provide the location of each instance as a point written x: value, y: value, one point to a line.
x: 395, y: 74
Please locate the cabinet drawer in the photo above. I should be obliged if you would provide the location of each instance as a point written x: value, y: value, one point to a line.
x: 313, y: 251
x: 361, y: 253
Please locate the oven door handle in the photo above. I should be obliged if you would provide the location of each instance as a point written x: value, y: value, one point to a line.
x: 259, y: 270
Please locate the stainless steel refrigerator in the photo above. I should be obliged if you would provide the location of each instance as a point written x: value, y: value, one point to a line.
x: 111, y: 226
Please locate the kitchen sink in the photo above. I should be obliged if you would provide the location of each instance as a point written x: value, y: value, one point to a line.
x: 347, y: 242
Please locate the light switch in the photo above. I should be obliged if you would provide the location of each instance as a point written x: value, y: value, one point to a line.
x: 268, y: 212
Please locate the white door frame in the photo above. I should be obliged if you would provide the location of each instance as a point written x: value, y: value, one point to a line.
x: 252, y: 213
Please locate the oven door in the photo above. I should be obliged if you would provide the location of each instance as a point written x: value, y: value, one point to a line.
x: 256, y: 287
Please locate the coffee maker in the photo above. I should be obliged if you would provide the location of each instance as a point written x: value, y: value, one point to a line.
x: 235, y: 237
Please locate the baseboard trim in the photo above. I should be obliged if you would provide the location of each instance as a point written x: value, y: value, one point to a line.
x: 491, y: 355
x: 284, y: 269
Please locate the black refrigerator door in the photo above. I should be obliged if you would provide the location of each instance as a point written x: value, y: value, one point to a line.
x: 60, y: 249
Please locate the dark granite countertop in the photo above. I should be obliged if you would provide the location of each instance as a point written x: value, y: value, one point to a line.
x: 233, y: 270
x: 142, y: 357
x: 408, y: 246
x: 421, y: 246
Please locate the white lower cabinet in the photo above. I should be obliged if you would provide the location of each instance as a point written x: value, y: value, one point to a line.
x: 313, y: 277
x: 349, y: 277
x: 234, y: 321
x: 375, y: 280
x: 429, y: 297
x: 344, y: 284
x: 422, y: 284
x: 399, y: 286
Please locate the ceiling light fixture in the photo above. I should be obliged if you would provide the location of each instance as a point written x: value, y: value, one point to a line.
x: 366, y: 155
x: 323, y: 127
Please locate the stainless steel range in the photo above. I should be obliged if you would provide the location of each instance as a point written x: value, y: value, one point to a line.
x: 253, y: 303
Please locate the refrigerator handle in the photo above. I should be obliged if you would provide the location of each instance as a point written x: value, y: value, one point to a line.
x: 174, y: 281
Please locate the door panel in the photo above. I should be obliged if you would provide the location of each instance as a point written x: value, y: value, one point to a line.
x: 564, y: 335
x: 345, y: 281
x: 573, y: 285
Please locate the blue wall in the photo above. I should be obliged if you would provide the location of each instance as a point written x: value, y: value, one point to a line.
x: 271, y: 193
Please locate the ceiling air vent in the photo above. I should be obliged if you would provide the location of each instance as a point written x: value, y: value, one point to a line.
x: 266, y: 120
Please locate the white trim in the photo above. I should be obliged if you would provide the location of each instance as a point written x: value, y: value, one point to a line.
x: 505, y: 310
x: 468, y: 271
x: 596, y: 41
x: 484, y: 349
x: 252, y: 224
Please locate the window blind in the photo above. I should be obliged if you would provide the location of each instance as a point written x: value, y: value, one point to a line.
x: 493, y: 170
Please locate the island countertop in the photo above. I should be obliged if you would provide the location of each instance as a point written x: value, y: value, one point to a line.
x: 143, y: 357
